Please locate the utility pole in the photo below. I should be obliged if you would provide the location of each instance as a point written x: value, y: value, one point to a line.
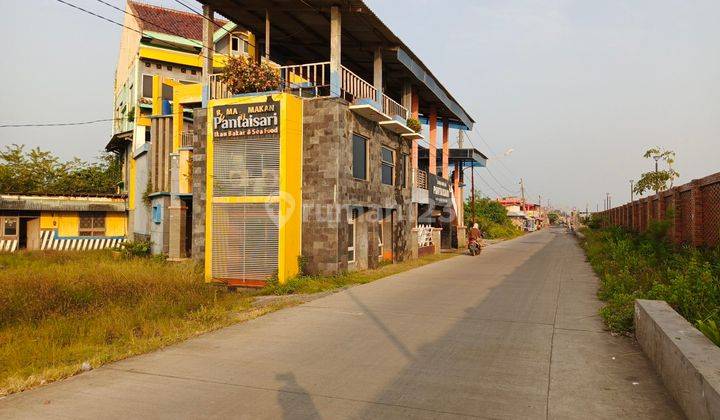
x: 632, y: 185
x: 522, y: 191
x: 472, y: 194
x: 460, y: 139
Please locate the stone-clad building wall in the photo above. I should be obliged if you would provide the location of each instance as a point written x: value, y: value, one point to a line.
x: 330, y: 191
x: 199, y: 175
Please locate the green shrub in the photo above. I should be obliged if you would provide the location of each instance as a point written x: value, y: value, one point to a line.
x: 136, y: 248
x: 414, y: 125
x: 648, y: 266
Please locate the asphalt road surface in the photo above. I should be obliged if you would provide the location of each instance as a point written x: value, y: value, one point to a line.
x: 513, y: 333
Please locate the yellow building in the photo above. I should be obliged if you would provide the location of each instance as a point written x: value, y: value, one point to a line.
x: 157, y: 78
x: 41, y: 222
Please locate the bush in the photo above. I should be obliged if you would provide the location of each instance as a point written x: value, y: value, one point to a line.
x: 246, y: 76
x: 649, y: 267
x: 414, y: 125
x: 136, y: 248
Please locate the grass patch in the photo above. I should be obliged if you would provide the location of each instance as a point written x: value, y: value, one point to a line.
x: 317, y: 284
x: 59, y: 310
x: 647, y: 266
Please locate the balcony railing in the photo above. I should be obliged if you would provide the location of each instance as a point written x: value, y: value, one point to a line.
x: 186, y: 139
x: 421, y: 179
x: 314, y: 80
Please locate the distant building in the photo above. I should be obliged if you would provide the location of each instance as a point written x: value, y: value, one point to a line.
x: 525, y: 215
x: 48, y: 222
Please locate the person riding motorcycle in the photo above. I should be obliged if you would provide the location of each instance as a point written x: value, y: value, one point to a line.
x: 474, y: 238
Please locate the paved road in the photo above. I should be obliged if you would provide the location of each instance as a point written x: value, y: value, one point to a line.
x: 510, y: 334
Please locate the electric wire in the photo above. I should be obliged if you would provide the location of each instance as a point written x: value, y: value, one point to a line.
x: 59, y: 124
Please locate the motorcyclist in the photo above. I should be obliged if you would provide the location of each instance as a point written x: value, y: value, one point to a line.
x: 474, y: 238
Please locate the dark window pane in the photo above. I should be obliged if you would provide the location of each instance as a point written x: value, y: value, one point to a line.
x: 351, y: 255
x: 167, y: 92
x: 234, y: 44
x: 359, y: 157
x: 387, y: 155
x: 10, y: 228
x: 351, y: 235
x: 387, y: 177
x: 147, y: 86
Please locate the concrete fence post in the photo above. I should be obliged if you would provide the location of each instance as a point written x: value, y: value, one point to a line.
x: 696, y: 208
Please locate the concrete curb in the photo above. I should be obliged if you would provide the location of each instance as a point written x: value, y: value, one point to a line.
x: 687, y: 362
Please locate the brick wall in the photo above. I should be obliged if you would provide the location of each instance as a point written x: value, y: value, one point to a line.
x: 199, y: 174
x: 694, y: 209
x: 329, y: 189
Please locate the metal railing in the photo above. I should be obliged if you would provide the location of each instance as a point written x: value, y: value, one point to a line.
x: 355, y: 87
x: 392, y: 108
x: 421, y: 179
x: 186, y: 139
x: 314, y: 79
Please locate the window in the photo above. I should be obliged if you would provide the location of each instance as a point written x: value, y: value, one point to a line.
x: 9, y: 226
x: 167, y: 92
x: 183, y: 70
x: 92, y: 223
x: 388, y: 166
x: 157, y: 214
x: 147, y: 82
x: 238, y: 45
x: 359, y: 163
x: 193, y: 71
x: 351, y: 234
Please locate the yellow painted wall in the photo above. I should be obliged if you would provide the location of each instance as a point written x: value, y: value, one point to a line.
x: 185, y: 172
x: 290, y: 199
x: 67, y: 223
x: 115, y: 224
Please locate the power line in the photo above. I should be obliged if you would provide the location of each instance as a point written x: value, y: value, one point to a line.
x: 487, y: 168
x: 172, y: 32
x: 116, y: 23
x: 63, y: 124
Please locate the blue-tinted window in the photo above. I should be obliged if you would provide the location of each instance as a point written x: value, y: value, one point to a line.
x: 359, y: 164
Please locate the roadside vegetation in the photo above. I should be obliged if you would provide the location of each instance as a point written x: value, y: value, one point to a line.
x: 648, y: 266
x: 492, y: 219
x: 37, y: 171
x: 64, y: 312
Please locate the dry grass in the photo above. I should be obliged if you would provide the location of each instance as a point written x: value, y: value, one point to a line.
x: 60, y: 310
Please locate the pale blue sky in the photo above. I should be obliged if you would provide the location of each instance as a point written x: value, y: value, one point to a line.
x: 578, y: 88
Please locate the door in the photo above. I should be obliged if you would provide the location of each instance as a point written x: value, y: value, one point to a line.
x: 33, y: 234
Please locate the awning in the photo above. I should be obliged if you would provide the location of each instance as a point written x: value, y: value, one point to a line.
x: 115, y: 203
x: 119, y: 141
x: 300, y: 33
x: 466, y: 157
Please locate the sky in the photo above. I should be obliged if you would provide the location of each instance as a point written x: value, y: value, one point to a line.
x: 578, y: 89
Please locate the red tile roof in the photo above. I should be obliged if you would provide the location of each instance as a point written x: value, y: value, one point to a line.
x: 170, y: 21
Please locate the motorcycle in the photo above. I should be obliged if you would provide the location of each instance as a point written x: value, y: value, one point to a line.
x: 474, y: 247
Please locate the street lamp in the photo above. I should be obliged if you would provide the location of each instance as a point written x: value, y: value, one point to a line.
x: 632, y: 190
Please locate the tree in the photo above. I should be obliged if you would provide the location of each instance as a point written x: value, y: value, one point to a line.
x: 40, y: 172
x: 657, y: 180
x: 245, y: 76
x: 487, y: 209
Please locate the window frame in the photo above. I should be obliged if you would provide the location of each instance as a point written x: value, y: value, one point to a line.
x: 3, y: 221
x: 142, y: 82
x: 366, y: 148
x: 405, y: 164
x: 391, y: 165
x: 93, y: 231
x: 352, y: 219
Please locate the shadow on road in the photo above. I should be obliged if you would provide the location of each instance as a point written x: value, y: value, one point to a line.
x: 294, y: 400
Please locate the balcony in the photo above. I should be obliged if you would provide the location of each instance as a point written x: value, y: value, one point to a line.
x: 313, y: 80
x: 186, y: 140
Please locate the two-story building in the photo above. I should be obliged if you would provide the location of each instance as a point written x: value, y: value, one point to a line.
x: 325, y: 169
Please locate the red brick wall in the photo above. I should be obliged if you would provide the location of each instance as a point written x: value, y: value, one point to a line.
x: 695, y: 208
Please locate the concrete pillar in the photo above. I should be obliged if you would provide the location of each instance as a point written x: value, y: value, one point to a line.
x: 432, y: 167
x: 267, y: 34
x: 335, y: 43
x: 446, y: 149
x: 415, y: 111
x: 696, y: 220
x: 378, y: 76
x: 407, y: 95
x: 207, y: 51
x: 461, y: 237
x: 436, y: 239
x: 176, y: 213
